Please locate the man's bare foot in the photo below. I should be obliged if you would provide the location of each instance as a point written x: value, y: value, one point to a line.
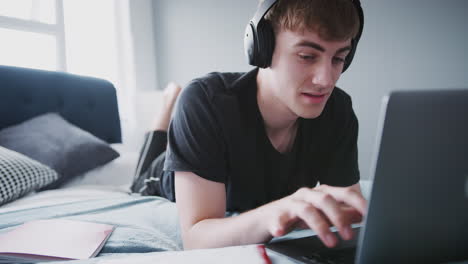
x: 170, y: 94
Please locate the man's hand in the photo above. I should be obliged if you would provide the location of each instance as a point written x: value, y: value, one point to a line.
x: 202, y: 205
x: 318, y: 209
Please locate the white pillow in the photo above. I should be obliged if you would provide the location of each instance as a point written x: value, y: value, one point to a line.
x: 117, y: 173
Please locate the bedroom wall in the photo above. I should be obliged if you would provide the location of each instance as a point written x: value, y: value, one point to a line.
x: 406, y: 45
x: 197, y: 37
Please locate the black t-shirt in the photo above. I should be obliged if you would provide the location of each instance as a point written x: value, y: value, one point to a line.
x: 218, y: 133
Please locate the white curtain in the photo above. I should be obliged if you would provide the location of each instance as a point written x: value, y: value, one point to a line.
x: 99, y: 43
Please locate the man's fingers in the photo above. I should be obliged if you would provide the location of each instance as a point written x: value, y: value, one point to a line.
x: 316, y: 221
x: 346, y: 195
x: 332, y: 210
x: 282, y: 225
x: 354, y: 215
x: 302, y: 225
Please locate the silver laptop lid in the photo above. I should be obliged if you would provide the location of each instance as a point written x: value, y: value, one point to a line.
x: 418, y: 211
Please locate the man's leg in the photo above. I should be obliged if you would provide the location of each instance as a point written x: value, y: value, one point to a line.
x: 154, y: 145
x: 149, y: 172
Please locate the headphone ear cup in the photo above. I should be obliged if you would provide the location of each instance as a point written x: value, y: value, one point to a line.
x: 355, y: 40
x: 266, y: 44
x: 350, y: 56
x: 269, y: 38
x: 251, y: 44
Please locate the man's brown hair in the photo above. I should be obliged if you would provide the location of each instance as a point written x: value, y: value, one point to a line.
x: 333, y: 20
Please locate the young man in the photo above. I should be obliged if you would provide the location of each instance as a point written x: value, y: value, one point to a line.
x: 259, y: 142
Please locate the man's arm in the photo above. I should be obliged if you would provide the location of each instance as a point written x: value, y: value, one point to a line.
x: 202, y: 204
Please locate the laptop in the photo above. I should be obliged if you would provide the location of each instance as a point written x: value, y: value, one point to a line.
x: 418, y: 207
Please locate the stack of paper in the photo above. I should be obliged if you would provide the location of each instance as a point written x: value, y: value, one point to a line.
x: 57, y: 239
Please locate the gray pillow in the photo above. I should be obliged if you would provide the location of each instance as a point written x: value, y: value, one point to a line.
x: 53, y: 141
x: 20, y: 175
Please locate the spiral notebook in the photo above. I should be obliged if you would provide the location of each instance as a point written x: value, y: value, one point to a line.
x: 55, y: 239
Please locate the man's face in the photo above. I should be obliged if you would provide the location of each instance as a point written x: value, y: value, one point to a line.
x: 305, y: 69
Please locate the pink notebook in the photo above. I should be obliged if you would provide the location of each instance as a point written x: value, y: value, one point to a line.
x: 55, y: 239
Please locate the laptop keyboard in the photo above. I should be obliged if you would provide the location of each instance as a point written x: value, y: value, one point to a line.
x: 345, y: 256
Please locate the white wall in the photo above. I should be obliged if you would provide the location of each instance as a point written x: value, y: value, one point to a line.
x: 407, y: 44
x: 197, y: 37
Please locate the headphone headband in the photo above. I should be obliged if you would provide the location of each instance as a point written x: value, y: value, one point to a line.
x: 262, y: 10
x: 259, y: 39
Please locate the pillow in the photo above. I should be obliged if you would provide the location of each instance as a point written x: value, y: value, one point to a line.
x: 20, y: 175
x: 117, y: 173
x: 53, y: 141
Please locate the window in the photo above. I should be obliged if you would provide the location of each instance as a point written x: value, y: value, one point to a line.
x: 79, y: 37
x: 16, y: 49
x: 32, y: 34
x: 43, y: 11
x: 84, y: 37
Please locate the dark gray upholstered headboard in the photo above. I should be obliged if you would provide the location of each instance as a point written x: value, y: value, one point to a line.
x: 86, y: 102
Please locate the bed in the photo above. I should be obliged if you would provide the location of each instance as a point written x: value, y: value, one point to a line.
x: 145, y: 226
